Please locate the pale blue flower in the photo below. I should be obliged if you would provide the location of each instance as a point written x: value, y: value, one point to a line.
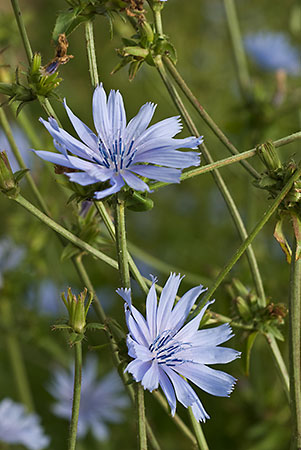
x: 19, y: 427
x: 119, y: 152
x: 10, y: 256
x: 165, y: 350
x: 273, y: 51
x: 101, y: 400
x: 22, y: 144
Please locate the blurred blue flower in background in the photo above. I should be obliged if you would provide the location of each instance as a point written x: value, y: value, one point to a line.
x: 119, y: 151
x: 22, y: 144
x: 10, y: 256
x: 19, y: 427
x: 101, y: 400
x: 165, y: 351
x: 273, y: 51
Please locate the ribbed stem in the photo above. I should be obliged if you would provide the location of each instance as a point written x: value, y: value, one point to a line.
x: 120, y: 234
x: 201, y: 440
x: 295, y: 346
x: 123, y: 264
x: 21, y: 26
x: 91, y: 53
x: 76, y: 395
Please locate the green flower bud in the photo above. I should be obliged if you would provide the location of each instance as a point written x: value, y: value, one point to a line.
x: 78, y: 309
x: 269, y: 156
x: 8, y: 184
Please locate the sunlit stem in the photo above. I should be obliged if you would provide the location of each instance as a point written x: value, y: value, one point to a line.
x: 205, y: 116
x: 201, y: 440
x: 227, y: 161
x: 91, y: 53
x: 76, y: 395
x: 15, y: 354
x: 123, y: 265
x: 295, y: 345
x: 22, y: 30
x: 111, y: 229
x: 219, y: 182
x: 238, y: 49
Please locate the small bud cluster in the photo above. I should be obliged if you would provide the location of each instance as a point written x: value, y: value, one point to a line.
x: 247, y: 310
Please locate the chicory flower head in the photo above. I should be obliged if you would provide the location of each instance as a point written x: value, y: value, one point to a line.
x: 121, y: 152
x: 19, y: 427
x: 165, y: 350
x: 273, y: 51
x: 101, y: 400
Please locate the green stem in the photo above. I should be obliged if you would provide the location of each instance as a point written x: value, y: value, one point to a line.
x: 238, y: 49
x: 21, y: 26
x: 280, y: 364
x: 123, y: 264
x: 76, y: 395
x: 201, y: 440
x: 101, y: 209
x: 15, y: 355
x: 227, y: 161
x: 142, y: 441
x: 91, y: 53
x: 8, y: 133
x: 220, y: 183
x: 295, y: 346
x: 156, y: 7
x: 121, y: 247
x: 206, y: 117
x: 239, y: 252
x: 65, y: 233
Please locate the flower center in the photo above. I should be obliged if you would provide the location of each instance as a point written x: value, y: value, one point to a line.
x: 165, y: 349
x: 118, y: 156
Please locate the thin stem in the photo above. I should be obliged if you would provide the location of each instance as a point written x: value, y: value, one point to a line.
x: 65, y: 233
x: 295, y: 346
x: 201, y: 440
x: 205, y: 116
x: 238, y: 49
x: 156, y: 7
x: 8, y: 133
x: 21, y: 26
x: 76, y: 395
x: 142, y: 441
x: 179, y: 423
x: 15, y: 355
x: 227, y: 161
x: 239, y: 252
x: 101, y: 209
x: 280, y: 364
x: 120, y: 233
x: 91, y: 53
x: 220, y: 183
x: 123, y: 265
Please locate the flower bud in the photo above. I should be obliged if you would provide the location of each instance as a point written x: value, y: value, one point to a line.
x: 8, y: 184
x: 269, y: 156
x: 78, y: 309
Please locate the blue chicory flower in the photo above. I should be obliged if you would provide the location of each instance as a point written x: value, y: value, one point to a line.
x: 119, y: 152
x: 101, y: 401
x: 273, y: 51
x: 19, y: 427
x: 165, y: 350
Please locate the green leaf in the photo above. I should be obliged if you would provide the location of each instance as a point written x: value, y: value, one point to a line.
x: 20, y: 174
x: 95, y: 326
x: 68, y: 21
x: 69, y: 251
x: 249, y: 346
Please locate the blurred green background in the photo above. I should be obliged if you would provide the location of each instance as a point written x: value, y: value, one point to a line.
x: 189, y: 227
